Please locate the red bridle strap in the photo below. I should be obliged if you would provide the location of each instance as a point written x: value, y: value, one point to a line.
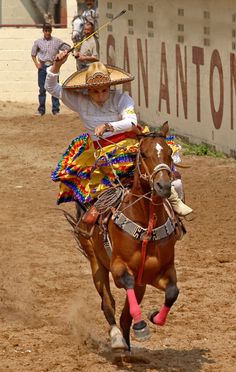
x: 151, y: 224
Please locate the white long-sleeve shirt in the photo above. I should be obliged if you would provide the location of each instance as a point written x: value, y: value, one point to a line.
x: 117, y: 110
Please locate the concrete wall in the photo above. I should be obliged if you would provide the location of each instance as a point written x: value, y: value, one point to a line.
x: 14, y: 11
x: 181, y: 52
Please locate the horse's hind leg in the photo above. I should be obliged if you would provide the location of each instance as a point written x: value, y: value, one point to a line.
x: 167, y: 283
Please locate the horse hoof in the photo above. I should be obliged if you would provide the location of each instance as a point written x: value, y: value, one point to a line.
x: 151, y: 315
x: 141, y: 331
x: 118, y: 342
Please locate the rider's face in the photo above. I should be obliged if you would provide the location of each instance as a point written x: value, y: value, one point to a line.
x: 99, y: 95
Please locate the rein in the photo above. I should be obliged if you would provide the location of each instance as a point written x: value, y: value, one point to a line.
x: 152, y: 216
x: 136, y: 231
x: 151, y: 224
x: 108, y: 160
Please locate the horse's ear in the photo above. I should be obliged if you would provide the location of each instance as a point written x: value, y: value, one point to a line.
x: 165, y: 128
x: 137, y: 129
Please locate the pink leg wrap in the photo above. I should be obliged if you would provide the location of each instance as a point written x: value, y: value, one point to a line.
x: 134, y: 308
x: 160, y: 318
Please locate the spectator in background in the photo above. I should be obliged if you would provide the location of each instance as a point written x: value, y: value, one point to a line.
x: 91, y: 15
x: 90, y: 12
x: 88, y: 50
x: 43, y: 53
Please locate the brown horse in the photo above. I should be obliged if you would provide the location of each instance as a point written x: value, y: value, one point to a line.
x: 143, y: 236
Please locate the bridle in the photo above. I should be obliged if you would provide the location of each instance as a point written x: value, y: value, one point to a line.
x: 147, y: 176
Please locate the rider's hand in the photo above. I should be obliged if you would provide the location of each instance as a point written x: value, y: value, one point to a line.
x: 100, y: 130
x: 59, y: 60
x: 61, y: 57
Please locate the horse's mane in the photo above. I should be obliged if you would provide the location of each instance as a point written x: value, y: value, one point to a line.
x: 151, y: 134
x: 78, y: 16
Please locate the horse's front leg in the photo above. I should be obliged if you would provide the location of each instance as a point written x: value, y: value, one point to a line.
x: 131, y: 309
x: 167, y: 283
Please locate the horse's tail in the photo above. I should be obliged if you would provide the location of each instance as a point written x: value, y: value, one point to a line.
x: 74, y: 223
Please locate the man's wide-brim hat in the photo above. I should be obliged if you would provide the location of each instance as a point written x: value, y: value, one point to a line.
x: 97, y: 75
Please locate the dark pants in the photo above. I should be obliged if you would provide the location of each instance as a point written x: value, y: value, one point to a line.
x: 42, y: 73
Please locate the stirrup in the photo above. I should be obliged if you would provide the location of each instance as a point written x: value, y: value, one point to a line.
x: 180, y: 229
x: 190, y: 217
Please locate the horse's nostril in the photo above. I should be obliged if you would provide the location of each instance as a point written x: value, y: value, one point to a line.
x: 163, y: 188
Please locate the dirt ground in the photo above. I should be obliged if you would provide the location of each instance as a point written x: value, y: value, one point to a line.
x: 50, y: 315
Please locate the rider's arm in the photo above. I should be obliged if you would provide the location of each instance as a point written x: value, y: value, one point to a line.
x: 125, y: 106
x: 52, y: 85
x: 69, y: 98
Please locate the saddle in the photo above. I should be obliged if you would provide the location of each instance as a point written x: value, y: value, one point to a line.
x: 106, y: 202
x: 105, y: 206
x: 91, y: 215
x: 100, y: 211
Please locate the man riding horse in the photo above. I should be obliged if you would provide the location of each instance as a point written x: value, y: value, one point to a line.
x: 94, y: 160
x: 142, y: 231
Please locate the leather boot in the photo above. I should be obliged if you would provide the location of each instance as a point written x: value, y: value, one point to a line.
x: 178, y: 206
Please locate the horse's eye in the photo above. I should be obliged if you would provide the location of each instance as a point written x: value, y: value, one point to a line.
x: 143, y: 155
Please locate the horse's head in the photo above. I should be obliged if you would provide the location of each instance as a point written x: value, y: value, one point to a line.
x: 154, y: 161
x: 77, y: 28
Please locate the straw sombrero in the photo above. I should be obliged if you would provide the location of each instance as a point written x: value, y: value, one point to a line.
x: 97, y: 75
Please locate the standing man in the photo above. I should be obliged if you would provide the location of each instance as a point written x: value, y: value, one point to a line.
x: 88, y: 51
x: 91, y: 13
x: 43, y: 52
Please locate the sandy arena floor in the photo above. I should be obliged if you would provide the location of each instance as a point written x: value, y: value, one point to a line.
x: 50, y: 315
